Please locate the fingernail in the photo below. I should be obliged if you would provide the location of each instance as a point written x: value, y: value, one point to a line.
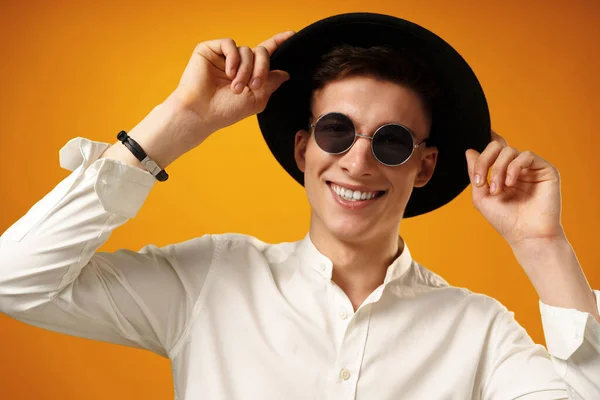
x: 508, y: 179
x: 255, y: 83
x: 239, y: 87
x: 477, y: 179
x: 493, y: 188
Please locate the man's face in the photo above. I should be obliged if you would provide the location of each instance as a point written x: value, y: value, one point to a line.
x: 370, y: 103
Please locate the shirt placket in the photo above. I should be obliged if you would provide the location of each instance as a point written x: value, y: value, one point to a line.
x: 352, y: 348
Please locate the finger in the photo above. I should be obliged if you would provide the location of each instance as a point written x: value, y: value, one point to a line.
x: 273, y: 43
x: 274, y: 80
x: 528, y: 160
x: 485, y: 161
x: 471, y: 156
x: 228, y: 49
x: 244, y: 71
x: 499, y: 169
x: 261, y: 67
x: 479, y: 192
x: 498, y: 138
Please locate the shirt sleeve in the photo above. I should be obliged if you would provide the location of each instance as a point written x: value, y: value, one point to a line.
x: 514, y: 367
x: 52, y: 276
x: 573, y: 341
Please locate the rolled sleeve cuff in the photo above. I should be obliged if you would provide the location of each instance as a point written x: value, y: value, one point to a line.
x: 121, y: 188
x: 565, y: 329
x: 80, y: 153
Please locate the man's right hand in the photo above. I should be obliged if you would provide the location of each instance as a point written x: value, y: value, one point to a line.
x: 207, y: 99
x: 224, y: 83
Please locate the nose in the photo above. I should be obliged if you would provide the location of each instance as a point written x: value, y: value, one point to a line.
x: 359, y: 160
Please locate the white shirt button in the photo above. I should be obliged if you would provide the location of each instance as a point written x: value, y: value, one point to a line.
x: 343, y: 314
x: 323, y: 267
x: 344, y: 374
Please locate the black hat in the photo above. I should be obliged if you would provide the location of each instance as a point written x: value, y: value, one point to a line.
x: 460, y: 120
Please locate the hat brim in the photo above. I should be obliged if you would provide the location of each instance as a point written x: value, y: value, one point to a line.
x: 460, y: 120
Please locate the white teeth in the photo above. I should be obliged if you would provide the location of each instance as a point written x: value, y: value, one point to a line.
x: 352, y: 195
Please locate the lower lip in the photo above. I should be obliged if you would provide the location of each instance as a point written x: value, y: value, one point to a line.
x: 353, y: 205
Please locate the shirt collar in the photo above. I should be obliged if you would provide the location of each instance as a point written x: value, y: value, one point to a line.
x: 321, y: 264
x: 399, y: 266
x: 316, y: 260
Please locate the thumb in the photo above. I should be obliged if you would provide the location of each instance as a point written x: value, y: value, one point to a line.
x: 274, y: 80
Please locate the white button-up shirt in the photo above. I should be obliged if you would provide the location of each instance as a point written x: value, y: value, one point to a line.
x: 243, y: 319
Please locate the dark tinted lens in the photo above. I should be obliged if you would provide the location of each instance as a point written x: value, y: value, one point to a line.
x: 334, y: 133
x: 392, y: 144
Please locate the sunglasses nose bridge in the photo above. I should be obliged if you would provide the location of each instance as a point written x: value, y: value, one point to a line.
x: 359, y: 135
x: 361, y: 156
x: 370, y: 138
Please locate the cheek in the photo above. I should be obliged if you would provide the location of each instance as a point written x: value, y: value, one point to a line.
x: 317, y: 161
x: 403, y: 182
x: 316, y: 166
x: 311, y: 170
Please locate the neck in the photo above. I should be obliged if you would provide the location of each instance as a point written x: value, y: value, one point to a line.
x: 359, y: 266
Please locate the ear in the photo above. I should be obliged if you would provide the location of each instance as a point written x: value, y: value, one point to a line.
x: 427, y: 166
x: 300, y: 143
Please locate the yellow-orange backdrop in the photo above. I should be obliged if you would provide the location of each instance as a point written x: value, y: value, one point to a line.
x: 91, y: 70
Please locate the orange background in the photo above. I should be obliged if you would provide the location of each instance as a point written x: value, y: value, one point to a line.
x: 91, y: 70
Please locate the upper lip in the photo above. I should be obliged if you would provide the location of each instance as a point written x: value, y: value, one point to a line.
x: 356, y: 187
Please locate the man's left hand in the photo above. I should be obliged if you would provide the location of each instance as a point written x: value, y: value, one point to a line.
x: 522, y: 199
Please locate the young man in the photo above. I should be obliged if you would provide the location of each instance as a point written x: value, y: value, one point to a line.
x: 380, y: 133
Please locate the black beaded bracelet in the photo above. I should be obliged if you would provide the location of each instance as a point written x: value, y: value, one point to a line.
x: 139, y: 153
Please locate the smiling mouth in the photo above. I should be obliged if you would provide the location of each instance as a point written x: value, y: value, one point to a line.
x: 354, y: 195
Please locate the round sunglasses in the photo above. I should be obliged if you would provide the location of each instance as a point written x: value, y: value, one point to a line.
x: 391, y: 144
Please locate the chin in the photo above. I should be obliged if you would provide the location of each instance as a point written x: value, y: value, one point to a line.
x: 349, y: 229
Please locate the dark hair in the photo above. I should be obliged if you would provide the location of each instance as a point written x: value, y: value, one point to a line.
x: 380, y: 62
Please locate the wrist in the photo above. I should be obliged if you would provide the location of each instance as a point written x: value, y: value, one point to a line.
x: 543, y: 256
x: 168, y: 132
x: 555, y: 272
x: 536, y: 247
